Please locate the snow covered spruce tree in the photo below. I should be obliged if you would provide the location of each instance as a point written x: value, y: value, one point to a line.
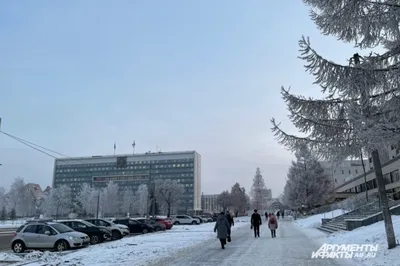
x: 362, y: 109
x: 238, y: 199
x: 258, y: 192
x: 307, y: 183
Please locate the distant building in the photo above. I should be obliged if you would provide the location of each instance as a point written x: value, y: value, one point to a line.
x: 345, y: 171
x: 209, y: 203
x: 35, y: 190
x: 268, y: 194
x: 130, y: 171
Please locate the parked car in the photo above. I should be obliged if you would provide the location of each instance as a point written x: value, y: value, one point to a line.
x: 207, y: 218
x: 97, y: 234
x: 157, y: 227
x: 135, y: 227
x: 47, y: 235
x: 116, y: 231
x: 183, y: 219
x: 165, y: 221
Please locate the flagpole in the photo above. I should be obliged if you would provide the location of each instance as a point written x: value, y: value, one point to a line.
x: 115, y: 147
x: 133, y: 146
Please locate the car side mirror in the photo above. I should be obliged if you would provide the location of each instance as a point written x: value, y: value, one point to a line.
x: 47, y: 233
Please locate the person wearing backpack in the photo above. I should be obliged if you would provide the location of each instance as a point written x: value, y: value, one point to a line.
x: 272, y: 224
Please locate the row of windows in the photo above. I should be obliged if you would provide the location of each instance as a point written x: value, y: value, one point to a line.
x: 392, y: 177
x: 155, y: 162
x: 356, y: 171
x: 61, y: 177
x: 186, y: 165
x: 153, y: 173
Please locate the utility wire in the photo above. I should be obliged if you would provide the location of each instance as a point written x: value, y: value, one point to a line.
x: 30, y: 144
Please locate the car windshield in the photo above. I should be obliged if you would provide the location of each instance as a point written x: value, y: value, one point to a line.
x: 61, y: 228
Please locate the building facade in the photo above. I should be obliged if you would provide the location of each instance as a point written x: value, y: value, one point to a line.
x: 391, y: 174
x: 209, y: 203
x: 345, y: 171
x: 131, y: 171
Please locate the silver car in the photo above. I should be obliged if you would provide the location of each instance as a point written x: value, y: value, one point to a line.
x: 47, y: 235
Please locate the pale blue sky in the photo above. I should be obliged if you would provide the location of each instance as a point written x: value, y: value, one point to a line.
x: 75, y: 76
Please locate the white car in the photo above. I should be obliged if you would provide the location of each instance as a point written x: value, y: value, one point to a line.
x: 116, y: 231
x: 183, y: 219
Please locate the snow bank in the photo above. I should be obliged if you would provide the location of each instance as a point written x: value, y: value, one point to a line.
x: 9, y: 257
x: 314, y: 221
x: 138, y: 250
x: 11, y: 224
x: 372, y: 234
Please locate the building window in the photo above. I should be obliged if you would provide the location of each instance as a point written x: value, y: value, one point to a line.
x: 370, y: 160
x: 342, y: 172
x: 356, y: 171
x: 349, y: 171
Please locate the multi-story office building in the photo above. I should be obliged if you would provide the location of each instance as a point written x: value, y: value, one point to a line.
x: 130, y: 171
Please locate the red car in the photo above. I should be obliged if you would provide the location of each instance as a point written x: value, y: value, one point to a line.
x: 165, y: 221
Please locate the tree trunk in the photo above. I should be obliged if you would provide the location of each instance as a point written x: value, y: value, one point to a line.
x: 169, y: 210
x: 391, y: 239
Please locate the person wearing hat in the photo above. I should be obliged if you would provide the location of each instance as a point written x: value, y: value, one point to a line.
x: 222, y: 228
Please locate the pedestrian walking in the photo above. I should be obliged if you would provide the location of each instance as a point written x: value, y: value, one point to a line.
x: 255, y: 223
x: 277, y: 214
x: 230, y: 219
x: 266, y: 216
x: 272, y: 225
x: 223, y: 229
x: 283, y: 214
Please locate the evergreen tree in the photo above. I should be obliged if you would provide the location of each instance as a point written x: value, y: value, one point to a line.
x: 361, y: 112
x: 307, y: 184
x: 3, y: 214
x: 258, y: 191
x: 13, y: 214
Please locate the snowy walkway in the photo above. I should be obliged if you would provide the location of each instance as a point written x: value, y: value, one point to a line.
x: 290, y: 247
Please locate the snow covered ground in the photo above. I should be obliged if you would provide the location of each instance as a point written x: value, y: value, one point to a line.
x: 138, y: 250
x: 316, y: 220
x: 11, y: 224
x: 372, y: 234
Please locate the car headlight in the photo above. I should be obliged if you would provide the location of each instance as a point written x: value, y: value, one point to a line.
x: 74, y: 238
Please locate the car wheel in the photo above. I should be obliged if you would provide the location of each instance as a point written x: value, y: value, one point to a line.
x: 145, y: 231
x: 18, y: 247
x: 116, y: 234
x: 61, y: 245
x: 176, y: 223
x: 194, y: 222
x: 94, y: 239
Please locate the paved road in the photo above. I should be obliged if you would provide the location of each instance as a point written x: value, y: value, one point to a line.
x: 290, y: 247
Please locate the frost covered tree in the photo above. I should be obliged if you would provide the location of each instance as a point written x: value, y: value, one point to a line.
x: 87, y: 199
x: 142, y: 197
x: 130, y: 203
x: 16, y: 196
x: 168, y: 193
x: 109, y: 199
x: 3, y: 199
x: 224, y: 200
x: 362, y: 108
x: 238, y: 199
x: 307, y: 184
x: 258, y: 191
x: 58, y: 202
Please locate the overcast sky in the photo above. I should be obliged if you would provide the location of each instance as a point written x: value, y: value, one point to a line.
x: 75, y: 76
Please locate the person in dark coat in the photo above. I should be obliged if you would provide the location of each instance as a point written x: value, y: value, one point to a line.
x: 255, y: 223
x: 266, y: 216
x: 283, y: 214
x: 277, y: 214
x: 222, y: 228
x: 230, y: 219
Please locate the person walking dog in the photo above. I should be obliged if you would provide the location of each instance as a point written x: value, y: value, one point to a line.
x: 223, y: 229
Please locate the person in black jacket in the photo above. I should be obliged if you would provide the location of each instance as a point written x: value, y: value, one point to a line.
x: 255, y: 223
x: 230, y: 219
